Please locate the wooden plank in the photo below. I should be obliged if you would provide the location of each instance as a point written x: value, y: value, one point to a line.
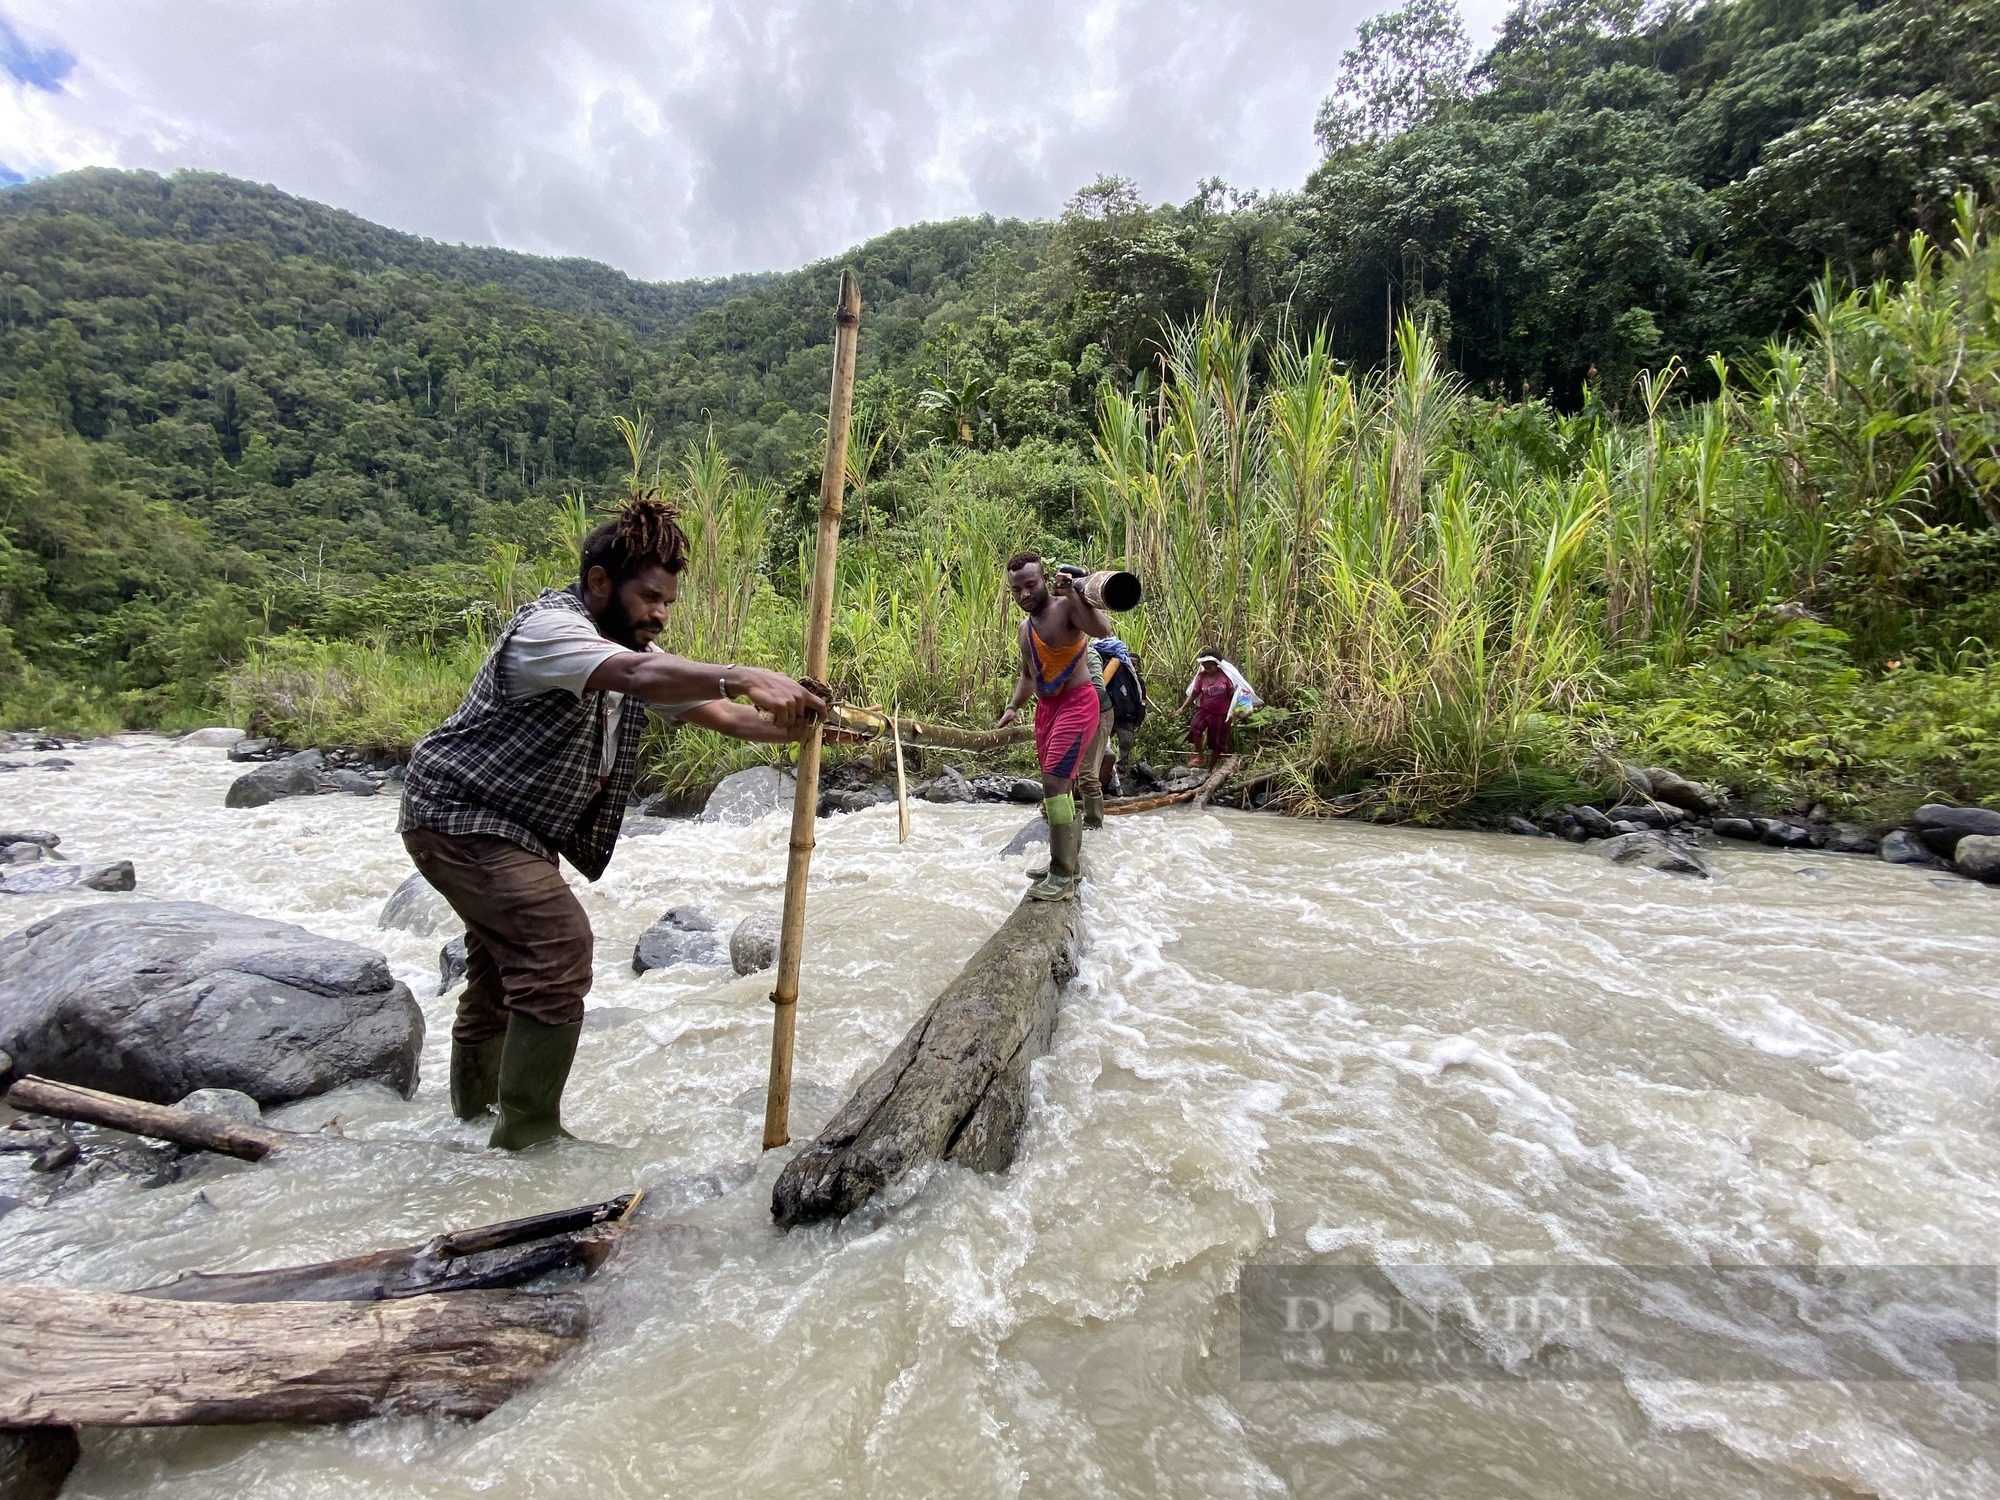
x: 72, y: 1358
x: 184, y: 1127
x: 955, y: 1087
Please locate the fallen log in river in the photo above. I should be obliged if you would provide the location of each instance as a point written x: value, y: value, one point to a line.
x: 956, y: 1087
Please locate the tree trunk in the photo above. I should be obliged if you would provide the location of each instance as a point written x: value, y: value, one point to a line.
x: 956, y: 1087
x: 70, y: 1358
x: 184, y: 1127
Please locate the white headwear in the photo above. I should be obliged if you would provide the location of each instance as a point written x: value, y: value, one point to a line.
x: 1246, y: 699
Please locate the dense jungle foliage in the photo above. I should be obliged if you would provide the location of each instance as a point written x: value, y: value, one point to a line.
x: 1630, y: 390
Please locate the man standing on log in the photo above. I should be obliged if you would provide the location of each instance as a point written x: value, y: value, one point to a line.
x: 1059, y: 627
x: 538, y: 761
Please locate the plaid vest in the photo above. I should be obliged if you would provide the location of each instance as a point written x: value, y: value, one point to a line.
x: 526, y: 771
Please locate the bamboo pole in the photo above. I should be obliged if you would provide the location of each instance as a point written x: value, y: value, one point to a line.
x: 845, y: 721
x: 902, y: 789
x: 805, y: 798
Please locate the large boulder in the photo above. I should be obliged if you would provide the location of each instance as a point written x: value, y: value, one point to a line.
x: 416, y: 906
x: 685, y: 935
x: 51, y: 875
x: 1905, y: 848
x: 950, y: 786
x: 1978, y: 855
x: 157, y: 999
x: 747, y: 796
x: 753, y: 946
x: 218, y: 737
x: 451, y: 963
x: 271, y: 781
x: 1941, y: 826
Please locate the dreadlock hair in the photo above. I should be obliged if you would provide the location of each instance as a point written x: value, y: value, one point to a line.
x: 646, y: 532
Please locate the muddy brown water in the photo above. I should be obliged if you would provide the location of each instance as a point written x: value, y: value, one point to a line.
x: 1289, y: 1044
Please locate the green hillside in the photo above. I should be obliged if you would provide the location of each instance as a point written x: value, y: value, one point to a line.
x: 208, y: 208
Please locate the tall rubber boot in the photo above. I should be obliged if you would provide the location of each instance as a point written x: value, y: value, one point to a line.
x: 1093, y: 807
x: 1065, y: 850
x: 475, y: 1076
x: 533, y: 1069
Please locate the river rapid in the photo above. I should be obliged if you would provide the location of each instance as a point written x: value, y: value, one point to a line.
x: 1289, y: 1044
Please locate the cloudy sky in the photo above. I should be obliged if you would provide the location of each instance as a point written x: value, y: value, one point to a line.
x: 678, y: 137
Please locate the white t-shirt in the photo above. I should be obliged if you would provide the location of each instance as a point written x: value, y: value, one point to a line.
x: 558, y: 648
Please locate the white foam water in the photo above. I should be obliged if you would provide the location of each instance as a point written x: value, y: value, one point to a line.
x: 1288, y: 1044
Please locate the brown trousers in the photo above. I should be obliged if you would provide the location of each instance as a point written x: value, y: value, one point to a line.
x: 1088, y: 780
x: 528, y: 945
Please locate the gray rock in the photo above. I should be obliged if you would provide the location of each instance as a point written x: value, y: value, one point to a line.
x: 1904, y: 848
x: 312, y: 760
x: 1941, y: 826
x: 415, y: 906
x: 451, y: 963
x: 753, y: 946
x: 248, y: 750
x: 859, y: 800
x: 1523, y: 827
x: 353, y: 783
x: 1694, y: 796
x: 156, y: 999
x: 269, y: 782
x: 1642, y: 813
x: 31, y: 836
x: 21, y: 852
x: 227, y: 1104
x: 685, y: 935
x: 1034, y: 831
x: 219, y: 737
x: 1652, y: 851
x: 949, y: 786
x: 1979, y: 856
x: 1782, y: 835
x: 747, y: 796
x: 51, y: 875
x: 1024, y: 791
x: 1590, y: 820
x: 1736, y: 828
x: 1846, y: 838
x: 642, y: 827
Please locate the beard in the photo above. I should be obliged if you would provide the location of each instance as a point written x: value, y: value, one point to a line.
x: 617, y: 624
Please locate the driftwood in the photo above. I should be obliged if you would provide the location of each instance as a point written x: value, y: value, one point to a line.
x: 1198, y: 795
x: 184, y: 1127
x: 71, y: 1358
x: 956, y: 1087
x: 498, y: 1255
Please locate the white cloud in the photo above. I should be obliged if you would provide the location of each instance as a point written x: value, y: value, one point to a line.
x: 690, y: 137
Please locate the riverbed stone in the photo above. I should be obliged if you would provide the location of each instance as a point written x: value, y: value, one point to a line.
x: 949, y: 786
x: 1651, y: 851
x: 747, y: 796
x: 684, y: 935
x: 1034, y: 831
x: 1693, y: 796
x: 1904, y: 848
x: 753, y: 946
x: 40, y: 836
x: 215, y: 737
x: 1736, y: 828
x: 416, y: 906
x: 353, y: 783
x: 1520, y: 825
x: 1849, y: 838
x: 156, y: 999
x: 272, y: 781
x: 1024, y: 791
x: 47, y: 876
x: 1782, y: 835
x: 451, y: 963
x: 1941, y: 825
x: 21, y: 852
x: 1592, y: 821
x: 253, y: 749
x: 1979, y: 856
x: 225, y: 1104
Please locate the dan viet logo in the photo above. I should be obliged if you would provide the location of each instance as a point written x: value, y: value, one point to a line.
x: 1702, y: 1323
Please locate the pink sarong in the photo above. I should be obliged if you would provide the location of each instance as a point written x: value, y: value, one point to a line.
x: 1065, y: 724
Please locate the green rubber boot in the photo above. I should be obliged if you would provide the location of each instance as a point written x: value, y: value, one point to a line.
x: 1065, y: 847
x: 533, y: 1069
x: 1093, y: 808
x: 475, y: 1076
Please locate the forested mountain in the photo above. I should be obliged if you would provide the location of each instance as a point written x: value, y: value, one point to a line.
x: 208, y: 208
x: 224, y: 409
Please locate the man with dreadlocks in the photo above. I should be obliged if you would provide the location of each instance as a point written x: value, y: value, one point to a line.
x: 538, y: 761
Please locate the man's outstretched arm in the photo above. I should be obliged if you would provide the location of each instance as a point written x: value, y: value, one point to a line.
x: 739, y: 721
x: 658, y: 677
